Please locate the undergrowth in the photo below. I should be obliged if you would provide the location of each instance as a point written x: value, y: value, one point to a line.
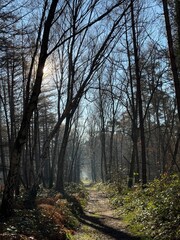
x: 53, y: 218
x: 152, y: 213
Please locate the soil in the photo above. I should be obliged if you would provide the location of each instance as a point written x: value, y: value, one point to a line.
x: 100, y: 221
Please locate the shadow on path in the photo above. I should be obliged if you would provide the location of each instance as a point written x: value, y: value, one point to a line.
x: 111, y: 232
x: 99, y: 221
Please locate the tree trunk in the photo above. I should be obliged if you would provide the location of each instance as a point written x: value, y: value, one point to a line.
x: 173, y: 60
x: 177, y: 5
x: 54, y: 159
x: 2, y: 154
x: 93, y: 167
x: 134, y: 106
x: 8, y: 194
x: 139, y: 99
x: 61, y: 158
x: 134, y: 159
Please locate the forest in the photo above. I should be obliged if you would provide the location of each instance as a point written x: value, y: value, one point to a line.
x: 90, y: 92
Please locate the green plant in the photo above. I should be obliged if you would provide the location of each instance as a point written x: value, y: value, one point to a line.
x: 153, y: 213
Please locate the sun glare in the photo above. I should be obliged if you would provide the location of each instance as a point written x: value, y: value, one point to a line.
x: 46, y: 71
x: 47, y: 76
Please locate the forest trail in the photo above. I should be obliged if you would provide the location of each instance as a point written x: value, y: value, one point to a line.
x: 99, y: 221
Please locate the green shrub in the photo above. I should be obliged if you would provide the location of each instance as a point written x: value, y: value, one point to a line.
x: 154, y: 211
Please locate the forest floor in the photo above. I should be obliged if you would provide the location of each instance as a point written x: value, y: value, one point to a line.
x: 87, y: 213
x: 99, y: 220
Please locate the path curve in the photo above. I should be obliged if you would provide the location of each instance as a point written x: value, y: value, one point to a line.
x: 100, y: 222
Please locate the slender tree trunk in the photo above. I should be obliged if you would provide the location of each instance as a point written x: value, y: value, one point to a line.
x: 35, y: 139
x: 172, y: 54
x: 2, y: 154
x: 93, y: 167
x: 174, y: 162
x: 134, y: 134
x: 74, y: 157
x: 174, y: 59
x: 177, y: 5
x: 104, y: 168
x: 8, y: 194
x: 139, y: 99
x: 111, y: 145
x: 53, y: 164
x: 133, y: 159
x: 61, y: 157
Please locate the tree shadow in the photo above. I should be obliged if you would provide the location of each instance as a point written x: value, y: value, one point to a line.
x: 97, y: 223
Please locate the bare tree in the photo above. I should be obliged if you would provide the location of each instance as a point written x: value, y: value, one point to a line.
x: 174, y: 62
x: 8, y: 194
x: 83, y: 61
x: 173, y: 59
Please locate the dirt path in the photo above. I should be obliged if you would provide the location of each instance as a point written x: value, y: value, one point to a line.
x: 100, y: 221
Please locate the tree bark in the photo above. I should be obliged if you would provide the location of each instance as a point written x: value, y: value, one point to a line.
x: 61, y: 158
x: 134, y: 134
x: 104, y: 168
x: 139, y: 99
x: 8, y: 194
x: 172, y: 55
